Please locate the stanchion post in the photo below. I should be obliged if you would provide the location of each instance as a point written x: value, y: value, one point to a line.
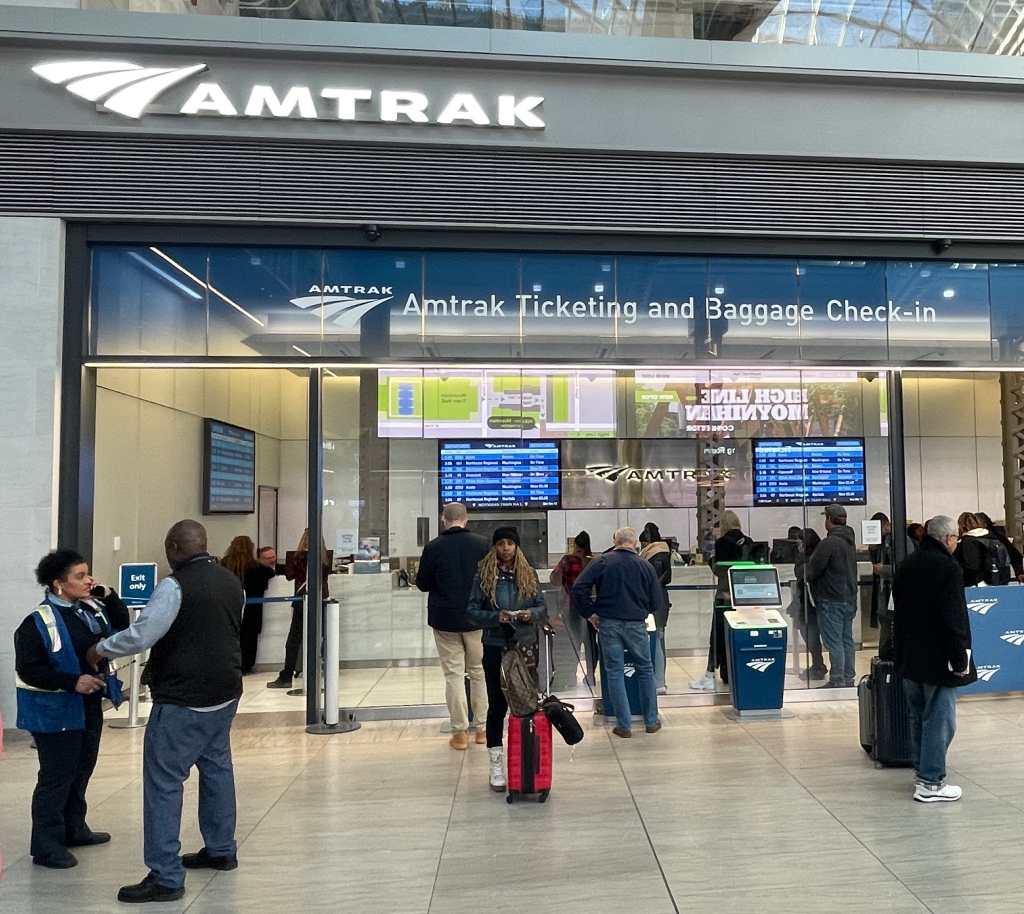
x: 133, y: 721
x: 335, y: 719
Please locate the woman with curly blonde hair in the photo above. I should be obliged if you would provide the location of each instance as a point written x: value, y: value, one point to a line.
x: 506, y: 603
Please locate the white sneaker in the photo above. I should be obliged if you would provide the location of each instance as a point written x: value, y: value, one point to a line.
x: 706, y: 683
x: 937, y: 793
x: 497, y: 774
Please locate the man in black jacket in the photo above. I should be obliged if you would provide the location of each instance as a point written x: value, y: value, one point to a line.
x: 932, y: 641
x: 831, y: 575
x: 446, y: 572
x: 191, y: 624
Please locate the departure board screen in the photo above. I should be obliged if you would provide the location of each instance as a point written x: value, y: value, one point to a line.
x: 229, y: 465
x: 501, y: 474
x: 809, y: 471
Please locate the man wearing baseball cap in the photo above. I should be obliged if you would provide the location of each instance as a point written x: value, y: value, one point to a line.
x: 832, y: 581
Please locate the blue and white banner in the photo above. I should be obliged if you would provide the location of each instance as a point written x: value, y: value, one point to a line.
x: 997, y: 630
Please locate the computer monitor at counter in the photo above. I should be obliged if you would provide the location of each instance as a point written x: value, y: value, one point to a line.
x: 754, y: 586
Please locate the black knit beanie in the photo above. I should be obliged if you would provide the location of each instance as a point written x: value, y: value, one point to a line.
x: 506, y: 533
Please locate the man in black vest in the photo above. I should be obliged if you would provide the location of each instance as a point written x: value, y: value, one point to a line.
x: 191, y: 623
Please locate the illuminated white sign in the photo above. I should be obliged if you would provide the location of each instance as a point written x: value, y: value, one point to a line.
x: 129, y: 89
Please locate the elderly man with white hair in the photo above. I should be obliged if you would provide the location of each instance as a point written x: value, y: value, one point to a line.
x: 932, y: 644
x: 627, y: 591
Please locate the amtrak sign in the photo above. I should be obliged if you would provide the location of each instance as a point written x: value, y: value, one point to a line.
x: 131, y: 90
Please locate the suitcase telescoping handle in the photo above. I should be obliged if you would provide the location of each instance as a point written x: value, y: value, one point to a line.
x: 549, y: 662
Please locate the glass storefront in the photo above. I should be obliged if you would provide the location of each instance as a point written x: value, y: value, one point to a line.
x: 417, y: 354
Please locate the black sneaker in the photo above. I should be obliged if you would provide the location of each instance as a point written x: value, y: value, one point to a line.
x: 56, y: 861
x: 148, y: 890
x: 280, y: 683
x: 203, y: 860
x: 90, y: 840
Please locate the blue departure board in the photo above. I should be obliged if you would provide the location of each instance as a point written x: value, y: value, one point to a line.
x: 229, y: 469
x: 809, y: 471
x: 501, y: 474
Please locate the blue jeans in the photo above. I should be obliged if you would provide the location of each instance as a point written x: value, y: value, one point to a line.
x: 659, y: 660
x: 617, y: 636
x: 176, y: 739
x: 836, y: 623
x: 932, y: 725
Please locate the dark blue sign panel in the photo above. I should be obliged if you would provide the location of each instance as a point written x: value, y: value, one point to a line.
x: 500, y: 474
x: 997, y: 633
x: 138, y: 581
x: 229, y: 464
x: 809, y: 471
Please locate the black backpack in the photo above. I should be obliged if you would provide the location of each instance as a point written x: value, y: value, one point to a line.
x: 997, y: 563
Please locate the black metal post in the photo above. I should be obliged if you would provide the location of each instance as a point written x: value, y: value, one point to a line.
x: 897, y: 466
x: 314, y: 563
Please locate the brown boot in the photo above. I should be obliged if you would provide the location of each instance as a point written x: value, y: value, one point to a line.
x: 459, y: 740
x: 481, y: 737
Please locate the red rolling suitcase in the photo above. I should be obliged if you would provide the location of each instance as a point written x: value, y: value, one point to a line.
x: 529, y: 757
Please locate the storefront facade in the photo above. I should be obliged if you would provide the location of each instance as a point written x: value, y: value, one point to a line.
x: 657, y: 255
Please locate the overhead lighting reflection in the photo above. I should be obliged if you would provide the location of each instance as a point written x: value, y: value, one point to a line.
x: 205, y: 285
x: 301, y: 351
x: 948, y: 293
x: 155, y: 269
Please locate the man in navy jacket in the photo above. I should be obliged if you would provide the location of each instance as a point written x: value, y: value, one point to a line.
x: 627, y: 591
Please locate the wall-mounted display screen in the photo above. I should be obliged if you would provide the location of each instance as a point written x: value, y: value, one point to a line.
x: 229, y: 468
x: 809, y: 471
x: 495, y: 404
x: 500, y: 474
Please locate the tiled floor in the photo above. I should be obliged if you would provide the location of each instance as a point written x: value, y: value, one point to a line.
x: 707, y: 815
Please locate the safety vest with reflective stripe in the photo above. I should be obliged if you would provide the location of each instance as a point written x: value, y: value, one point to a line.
x: 42, y: 711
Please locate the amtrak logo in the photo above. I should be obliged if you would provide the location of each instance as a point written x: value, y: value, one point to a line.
x: 344, y: 306
x: 985, y: 673
x: 614, y: 472
x: 629, y: 670
x: 1016, y: 637
x: 116, y: 85
x: 761, y: 664
x: 981, y: 606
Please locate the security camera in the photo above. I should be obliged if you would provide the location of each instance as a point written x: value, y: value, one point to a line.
x: 372, y: 232
x: 941, y: 245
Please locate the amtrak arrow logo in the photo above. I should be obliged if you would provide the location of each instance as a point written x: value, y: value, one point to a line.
x: 760, y: 665
x: 1013, y: 638
x: 116, y: 85
x: 607, y: 472
x: 985, y: 673
x: 346, y: 311
x: 981, y: 606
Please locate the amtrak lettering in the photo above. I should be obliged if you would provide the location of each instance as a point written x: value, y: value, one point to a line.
x: 129, y: 89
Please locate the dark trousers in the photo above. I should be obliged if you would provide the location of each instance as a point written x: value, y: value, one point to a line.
x: 497, y: 706
x: 811, y: 633
x: 66, y: 762
x: 716, y: 647
x: 294, y: 643
x: 252, y: 625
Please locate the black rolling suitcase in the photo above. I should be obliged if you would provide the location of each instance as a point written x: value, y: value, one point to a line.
x: 884, y: 718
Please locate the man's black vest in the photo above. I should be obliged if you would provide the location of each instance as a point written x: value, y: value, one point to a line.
x: 198, y: 663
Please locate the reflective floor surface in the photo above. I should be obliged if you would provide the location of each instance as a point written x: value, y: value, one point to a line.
x: 707, y: 815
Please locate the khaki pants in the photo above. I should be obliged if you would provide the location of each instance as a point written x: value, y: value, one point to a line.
x: 461, y: 653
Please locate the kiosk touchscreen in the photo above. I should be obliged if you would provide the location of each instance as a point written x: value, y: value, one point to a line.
x: 755, y: 586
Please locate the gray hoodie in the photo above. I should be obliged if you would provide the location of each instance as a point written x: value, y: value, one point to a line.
x: 832, y: 568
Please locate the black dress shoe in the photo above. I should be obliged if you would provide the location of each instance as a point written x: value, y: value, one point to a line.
x: 148, y: 890
x: 56, y: 861
x: 280, y: 683
x: 89, y: 840
x: 203, y: 860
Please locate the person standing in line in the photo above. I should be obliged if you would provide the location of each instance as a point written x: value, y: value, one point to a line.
x: 628, y: 592
x: 803, y: 611
x: 191, y: 628
x: 655, y: 550
x: 241, y: 561
x: 978, y: 549
x: 1016, y: 558
x: 831, y: 575
x: 731, y: 546
x: 505, y: 602
x: 60, y: 700
x: 932, y: 642
x: 446, y: 571
x: 564, y: 575
x: 295, y: 570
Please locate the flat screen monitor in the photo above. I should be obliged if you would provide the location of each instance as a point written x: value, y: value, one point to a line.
x: 784, y: 552
x: 809, y: 471
x: 229, y: 468
x: 501, y: 474
x: 754, y: 585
